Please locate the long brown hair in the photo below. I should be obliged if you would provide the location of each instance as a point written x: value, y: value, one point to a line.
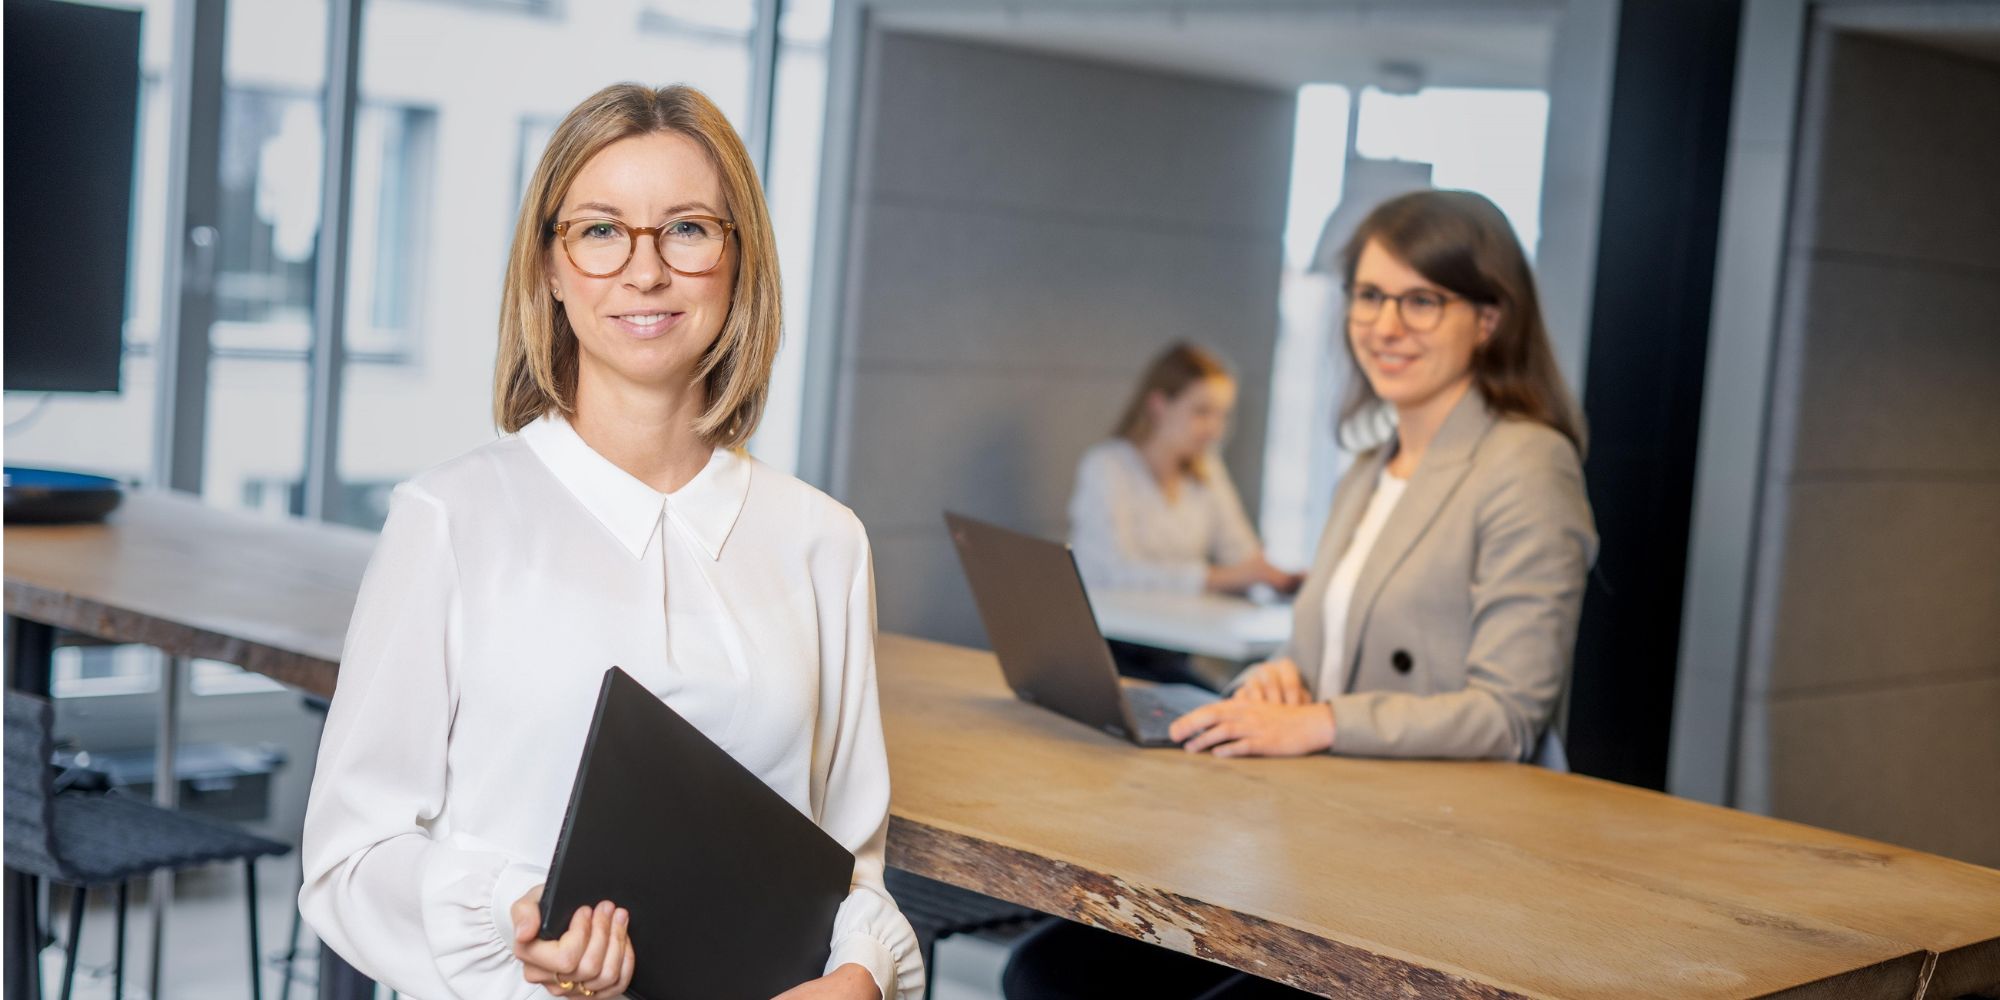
x: 1171, y: 372
x: 1461, y: 242
x: 535, y: 371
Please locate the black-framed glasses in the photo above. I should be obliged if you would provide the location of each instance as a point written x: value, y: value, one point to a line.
x: 1421, y: 309
x: 691, y: 245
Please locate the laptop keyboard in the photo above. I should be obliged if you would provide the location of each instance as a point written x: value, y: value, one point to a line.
x: 1156, y: 706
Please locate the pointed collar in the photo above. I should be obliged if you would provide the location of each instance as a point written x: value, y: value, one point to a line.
x: 705, y: 509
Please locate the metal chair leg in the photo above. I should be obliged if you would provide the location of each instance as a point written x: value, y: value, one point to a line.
x: 118, y: 956
x: 77, y: 897
x: 292, y: 945
x: 256, y: 965
x: 930, y: 967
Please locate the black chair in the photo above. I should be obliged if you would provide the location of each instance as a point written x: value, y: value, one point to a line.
x: 92, y: 839
x: 937, y: 910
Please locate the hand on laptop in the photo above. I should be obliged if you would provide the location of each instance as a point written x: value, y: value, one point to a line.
x: 593, y: 958
x: 849, y: 982
x: 1241, y: 727
x: 1273, y: 680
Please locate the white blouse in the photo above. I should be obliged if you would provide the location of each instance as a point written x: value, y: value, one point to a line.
x: 1128, y: 536
x: 1347, y: 575
x: 504, y: 584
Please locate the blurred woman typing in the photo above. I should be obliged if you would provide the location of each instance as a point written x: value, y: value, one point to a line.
x: 1153, y: 507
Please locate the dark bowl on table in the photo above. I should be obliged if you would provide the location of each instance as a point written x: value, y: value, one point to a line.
x: 46, y: 496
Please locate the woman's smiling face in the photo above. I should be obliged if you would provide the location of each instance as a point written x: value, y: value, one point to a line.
x: 646, y: 326
x: 1409, y: 367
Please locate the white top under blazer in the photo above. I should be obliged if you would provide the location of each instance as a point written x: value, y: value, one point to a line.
x: 1347, y: 575
x: 504, y: 584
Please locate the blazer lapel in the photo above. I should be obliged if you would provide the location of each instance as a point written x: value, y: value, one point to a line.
x: 1442, y: 468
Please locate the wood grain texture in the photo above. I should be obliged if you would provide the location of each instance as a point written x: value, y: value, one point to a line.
x: 270, y: 595
x: 1343, y: 877
x: 1354, y: 877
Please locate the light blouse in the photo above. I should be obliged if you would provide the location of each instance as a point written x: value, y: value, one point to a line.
x: 504, y: 584
x: 1127, y: 535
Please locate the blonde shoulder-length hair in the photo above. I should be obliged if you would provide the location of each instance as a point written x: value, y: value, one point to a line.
x: 535, y: 372
x: 1170, y: 373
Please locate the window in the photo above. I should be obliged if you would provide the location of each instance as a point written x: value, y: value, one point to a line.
x: 715, y: 18
x: 272, y: 151
x: 791, y: 184
x: 389, y: 246
x: 453, y: 177
x: 97, y: 671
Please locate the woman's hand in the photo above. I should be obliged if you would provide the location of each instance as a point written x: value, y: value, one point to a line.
x: 849, y: 982
x: 593, y: 958
x: 1236, y: 578
x: 1241, y: 727
x: 1273, y: 681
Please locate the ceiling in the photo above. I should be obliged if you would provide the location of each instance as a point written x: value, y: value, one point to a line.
x: 1487, y: 45
x: 1965, y: 27
x: 1981, y: 45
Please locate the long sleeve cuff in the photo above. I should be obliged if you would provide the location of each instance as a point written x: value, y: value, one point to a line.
x: 1460, y: 725
x: 870, y: 954
x: 509, y: 886
x: 1355, y: 733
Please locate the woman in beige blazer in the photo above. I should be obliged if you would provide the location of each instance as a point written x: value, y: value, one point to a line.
x: 1440, y: 613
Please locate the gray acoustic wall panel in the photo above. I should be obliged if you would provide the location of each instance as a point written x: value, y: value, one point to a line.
x: 1874, y: 661
x: 1901, y: 179
x: 1027, y: 232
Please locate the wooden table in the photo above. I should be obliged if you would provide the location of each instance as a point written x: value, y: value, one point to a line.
x: 270, y: 595
x: 1346, y: 877
x: 1409, y: 878
x: 266, y: 594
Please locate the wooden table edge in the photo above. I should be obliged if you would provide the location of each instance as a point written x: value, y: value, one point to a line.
x: 1967, y: 969
x: 305, y: 671
x: 1124, y: 906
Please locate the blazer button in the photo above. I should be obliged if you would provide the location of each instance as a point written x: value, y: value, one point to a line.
x: 1400, y: 659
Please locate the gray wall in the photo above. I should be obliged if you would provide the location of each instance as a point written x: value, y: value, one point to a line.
x: 1026, y: 232
x: 1872, y: 695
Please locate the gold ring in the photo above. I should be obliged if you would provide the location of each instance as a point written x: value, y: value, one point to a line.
x: 588, y: 993
x: 565, y: 985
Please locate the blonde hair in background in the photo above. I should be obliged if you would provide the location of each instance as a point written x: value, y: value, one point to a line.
x: 535, y: 371
x: 1171, y: 372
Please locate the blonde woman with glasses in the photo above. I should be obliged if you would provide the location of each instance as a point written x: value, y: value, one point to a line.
x: 617, y: 521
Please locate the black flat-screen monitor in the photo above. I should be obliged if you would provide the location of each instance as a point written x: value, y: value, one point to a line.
x: 72, y: 115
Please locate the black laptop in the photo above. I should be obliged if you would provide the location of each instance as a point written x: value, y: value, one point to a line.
x: 731, y: 890
x: 1038, y: 619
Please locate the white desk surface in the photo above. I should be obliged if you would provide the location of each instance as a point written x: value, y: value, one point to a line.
x: 1228, y: 628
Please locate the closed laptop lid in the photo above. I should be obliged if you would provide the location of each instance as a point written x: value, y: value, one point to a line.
x: 731, y: 890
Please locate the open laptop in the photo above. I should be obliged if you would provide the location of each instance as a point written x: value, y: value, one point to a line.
x: 732, y: 890
x: 1039, y: 621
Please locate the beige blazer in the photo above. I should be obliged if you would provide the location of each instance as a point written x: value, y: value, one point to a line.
x: 1464, y: 617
